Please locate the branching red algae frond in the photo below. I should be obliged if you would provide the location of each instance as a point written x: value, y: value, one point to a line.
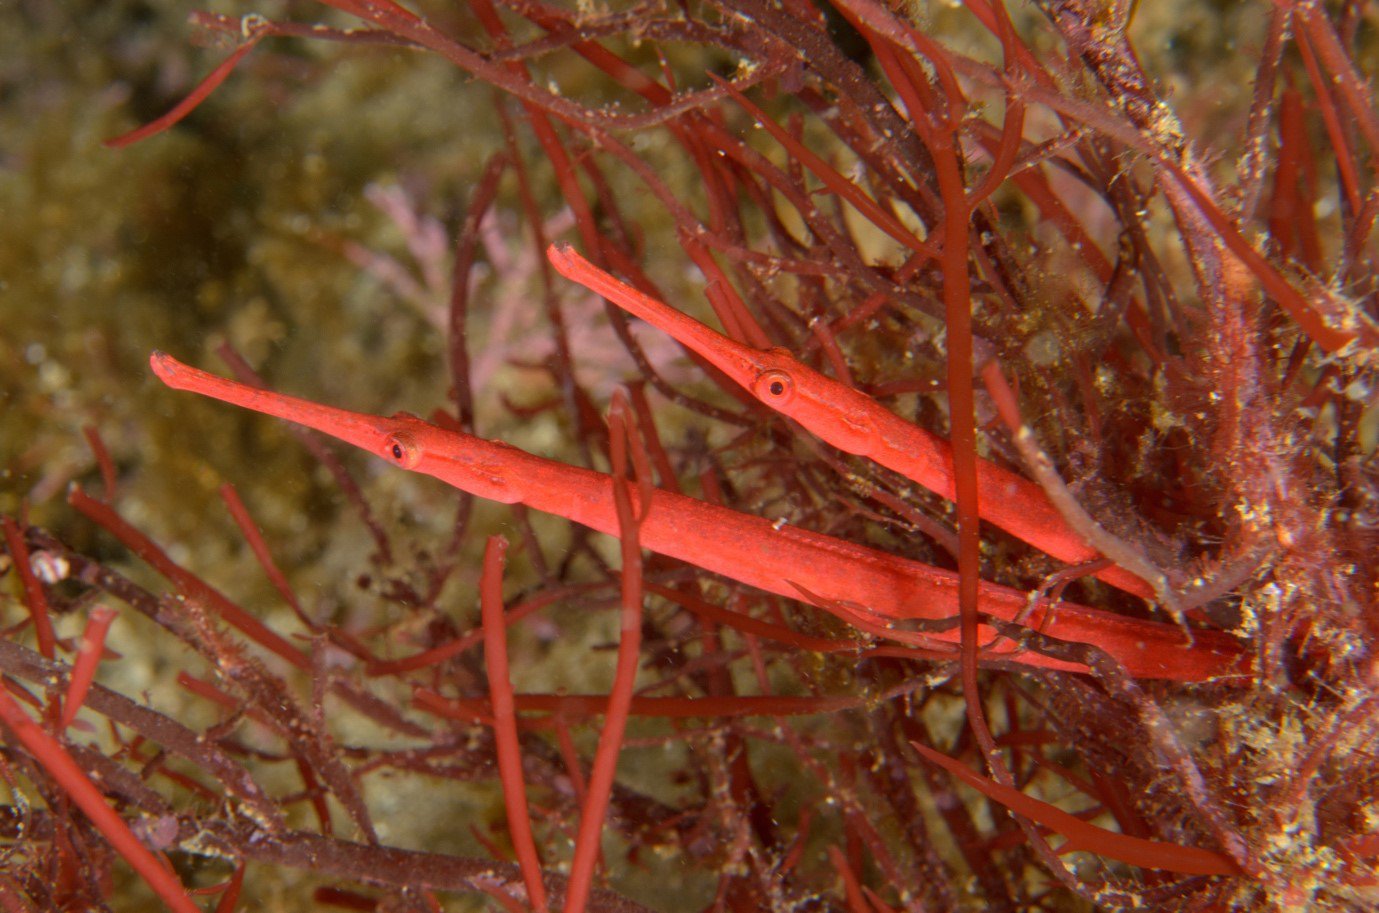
x: 1123, y: 589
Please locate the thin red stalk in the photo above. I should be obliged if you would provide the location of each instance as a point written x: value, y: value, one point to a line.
x: 790, y: 860
x: 466, y: 249
x: 505, y: 721
x: 868, y: 307
x: 493, y: 849
x: 720, y: 185
x: 66, y: 877
x: 1013, y: 124
x: 910, y: 82
x: 1358, y: 236
x: 102, y: 455
x: 84, y: 667
x: 541, y: 126
x: 185, y: 782
x: 845, y: 189
x: 731, y: 310
x: 1151, y: 854
x: 595, y: 807
x: 1326, y: 104
x: 622, y: 72
x: 828, y: 345
x: 385, y: 12
x: 566, y: 745
x: 505, y: 900
x: 60, y: 765
x: 194, y: 98
x: 578, y: 706
x: 234, y: 27
x: 903, y: 35
x: 746, y: 624
x: 1354, y: 90
x: 1313, y: 322
x: 259, y: 547
x: 35, y: 600
x: 230, y: 897
x: 450, y: 649
x: 1309, y: 238
x: 315, y: 795
x: 207, y: 691
x: 852, y: 887
x: 857, y: 820
x: 1115, y: 795
x: 1253, y: 169
x: 957, y: 305
x: 877, y: 904
x: 646, y: 421
x: 564, y: 359
x: 942, y: 143
x: 1291, y: 221
x: 1035, y: 185
x: 191, y: 585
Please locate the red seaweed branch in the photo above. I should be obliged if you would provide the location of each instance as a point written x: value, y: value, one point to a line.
x: 812, y: 619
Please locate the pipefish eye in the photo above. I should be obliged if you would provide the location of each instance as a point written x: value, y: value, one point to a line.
x: 775, y: 388
x: 402, y: 449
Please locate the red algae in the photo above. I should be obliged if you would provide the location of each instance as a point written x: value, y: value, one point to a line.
x: 994, y: 224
